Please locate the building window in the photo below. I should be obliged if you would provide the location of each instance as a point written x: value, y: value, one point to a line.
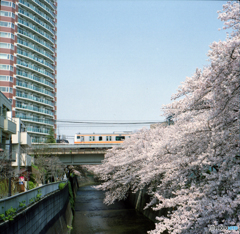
x: 7, y: 46
x: 7, y: 3
x: 6, y: 89
x: 6, y: 78
x: 6, y: 35
x: 6, y: 24
x: 6, y: 67
x: 6, y: 56
x: 7, y: 14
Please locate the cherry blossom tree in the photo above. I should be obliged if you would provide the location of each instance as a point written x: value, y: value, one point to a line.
x: 191, y: 167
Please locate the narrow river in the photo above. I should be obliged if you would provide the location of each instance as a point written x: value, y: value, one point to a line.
x: 94, y: 217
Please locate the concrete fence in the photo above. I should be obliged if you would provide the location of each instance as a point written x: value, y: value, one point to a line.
x: 28, y: 197
x: 49, y: 215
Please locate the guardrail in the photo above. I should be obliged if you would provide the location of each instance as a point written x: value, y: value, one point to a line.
x: 28, y: 197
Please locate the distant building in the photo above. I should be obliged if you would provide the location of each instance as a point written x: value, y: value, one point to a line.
x: 20, y: 141
x: 62, y: 139
x: 28, y: 62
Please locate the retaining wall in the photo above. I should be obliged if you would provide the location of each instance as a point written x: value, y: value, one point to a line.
x: 50, y: 215
x: 13, y: 201
x: 139, y: 200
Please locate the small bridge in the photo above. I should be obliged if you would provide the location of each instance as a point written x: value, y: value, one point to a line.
x: 73, y: 154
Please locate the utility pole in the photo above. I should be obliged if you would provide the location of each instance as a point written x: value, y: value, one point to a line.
x: 10, y: 160
x: 19, y: 146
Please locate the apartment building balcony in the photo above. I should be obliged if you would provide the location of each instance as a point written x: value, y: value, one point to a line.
x: 34, y: 78
x: 50, y: 4
x: 25, y: 139
x: 35, y: 29
x: 31, y: 98
x: 46, y: 9
x: 9, y: 156
x: 33, y: 9
x: 38, y: 121
x: 34, y: 110
x: 36, y: 20
x: 35, y: 39
x: 9, y: 126
x: 25, y: 160
x: 34, y: 89
x: 35, y: 59
x: 35, y: 49
x: 35, y: 69
x: 37, y: 130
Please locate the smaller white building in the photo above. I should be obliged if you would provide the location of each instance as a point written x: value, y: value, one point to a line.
x: 20, y: 141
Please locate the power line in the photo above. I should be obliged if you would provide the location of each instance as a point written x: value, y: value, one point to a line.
x: 94, y: 126
x: 103, y: 123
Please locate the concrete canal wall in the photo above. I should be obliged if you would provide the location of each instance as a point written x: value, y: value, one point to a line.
x: 49, y: 215
x: 139, y: 200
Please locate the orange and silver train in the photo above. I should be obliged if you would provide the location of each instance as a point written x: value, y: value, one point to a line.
x: 101, y: 138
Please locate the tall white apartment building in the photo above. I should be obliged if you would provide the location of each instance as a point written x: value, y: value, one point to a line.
x: 28, y: 36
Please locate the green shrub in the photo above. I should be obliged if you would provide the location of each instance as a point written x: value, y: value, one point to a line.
x: 38, y: 197
x: 10, y: 213
x: 61, y: 186
x: 34, y: 166
x: 31, y: 185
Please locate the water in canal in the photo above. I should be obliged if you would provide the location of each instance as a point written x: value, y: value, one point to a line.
x: 92, y: 216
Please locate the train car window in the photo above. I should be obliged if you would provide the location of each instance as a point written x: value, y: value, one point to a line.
x: 90, y: 138
x: 82, y: 138
x: 120, y: 138
x: 110, y: 138
x: 106, y: 138
x: 93, y: 138
x: 78, y: 137
x: 100, y: 138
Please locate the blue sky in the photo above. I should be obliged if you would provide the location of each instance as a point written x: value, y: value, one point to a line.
x: 121, y: 60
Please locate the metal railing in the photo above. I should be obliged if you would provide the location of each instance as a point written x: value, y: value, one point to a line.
x: 35, y: 48
x: 46, y: 45
x: 40, y: 22
x: 35, y: 10
x: 35, y: 88
x: 35, y: 68
x: 35, y: 29
x: 28, y: 197
x: 34, y: 108
x: 33, y: 98
x: 36, y: 58
x: 34, y: 77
